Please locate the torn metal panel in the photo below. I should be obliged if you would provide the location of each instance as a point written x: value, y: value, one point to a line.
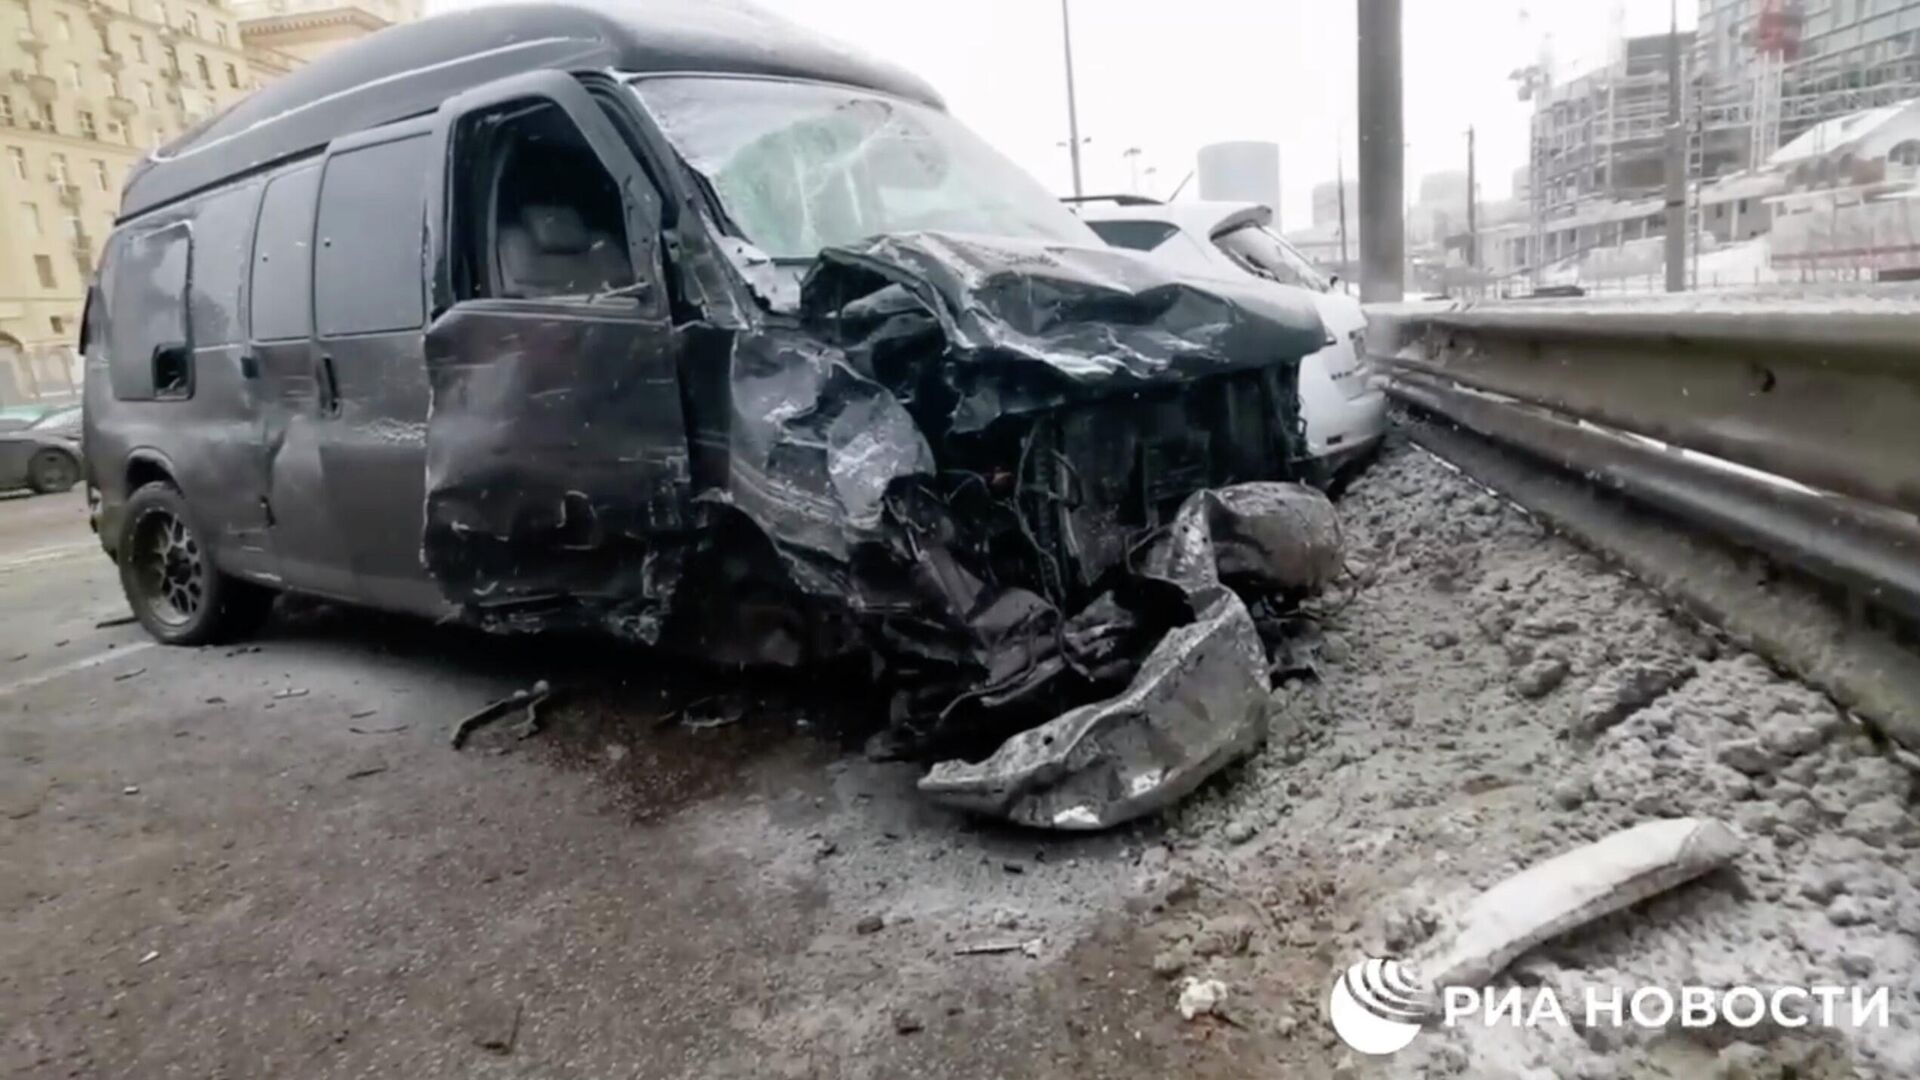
x: 1031, y: 325
x: 556, y: 457
x: 1198, y: 700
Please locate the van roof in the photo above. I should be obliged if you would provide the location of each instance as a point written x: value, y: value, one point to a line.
x: 410, y: 69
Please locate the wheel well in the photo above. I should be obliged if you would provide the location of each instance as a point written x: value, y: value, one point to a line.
x: 144, y: 471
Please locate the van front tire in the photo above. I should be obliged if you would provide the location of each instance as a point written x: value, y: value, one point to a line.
x: 168, y: 574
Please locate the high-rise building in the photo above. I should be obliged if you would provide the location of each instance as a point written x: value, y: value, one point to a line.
x: 88, y: 86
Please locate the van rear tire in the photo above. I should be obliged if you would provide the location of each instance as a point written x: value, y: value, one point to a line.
x: 167, y: 573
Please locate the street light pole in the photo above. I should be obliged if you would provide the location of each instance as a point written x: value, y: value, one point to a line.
x: 1676, y: 162
x: 1383, y: 222
x: 1073, y: 110
x: 1473, y: 209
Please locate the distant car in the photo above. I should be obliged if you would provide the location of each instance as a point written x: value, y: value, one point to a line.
x: 15, y: 417
x: 45, y: 455
x: 1346, y: 413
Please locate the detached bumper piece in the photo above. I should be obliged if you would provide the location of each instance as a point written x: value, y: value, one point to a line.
x: 1198, y: 701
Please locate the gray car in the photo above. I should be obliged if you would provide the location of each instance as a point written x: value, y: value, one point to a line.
x: 45, y: 455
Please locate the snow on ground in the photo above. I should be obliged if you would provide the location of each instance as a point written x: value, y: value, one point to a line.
x: 1491, y: 696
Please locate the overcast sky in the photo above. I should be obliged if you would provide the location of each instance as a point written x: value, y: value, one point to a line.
x: 1168, y: 76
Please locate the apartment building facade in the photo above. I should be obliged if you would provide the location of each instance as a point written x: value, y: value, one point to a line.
x: 86, y: 88
x: 88, y: 85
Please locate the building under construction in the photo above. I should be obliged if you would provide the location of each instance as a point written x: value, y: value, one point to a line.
x: 1769, y: 70
x: 1602, y: 136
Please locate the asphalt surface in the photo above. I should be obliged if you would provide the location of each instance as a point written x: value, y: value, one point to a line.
x: 268, y: 861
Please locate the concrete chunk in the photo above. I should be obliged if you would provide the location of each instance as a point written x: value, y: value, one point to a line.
x: 1573, y: 889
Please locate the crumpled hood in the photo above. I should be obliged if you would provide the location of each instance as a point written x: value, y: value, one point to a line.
x: 1057, y: 320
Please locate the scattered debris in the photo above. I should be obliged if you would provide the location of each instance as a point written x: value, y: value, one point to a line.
x: 1200, y: 997
x: 378, y: 730
x: 1624, y: 691
x: 530, y: 700
x: 289, y: 692
x: 117, y: 620
x: 906, y: 1023
x: 503, y: 1044
x: 870, y: 924
x: 216, y: 700
x: 363, y: 714
x: 1573, y: 889
x: 134, y: 674
x: 16, y: 659
x: 1030, y: 948
x: 695, y: 716
x: 1540, y: 678
x: 130, y: 789
x: 152, y: 955
x: 361, y: 774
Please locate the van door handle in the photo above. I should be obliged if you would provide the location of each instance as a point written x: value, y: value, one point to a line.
x: 326, y: 387
x: 249, y: 366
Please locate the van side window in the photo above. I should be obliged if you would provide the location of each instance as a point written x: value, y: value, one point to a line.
x: 535, y: 213
x: 282, y: 288
x: 220, y: 228
x: 149, y: 289
x: 368, y: 265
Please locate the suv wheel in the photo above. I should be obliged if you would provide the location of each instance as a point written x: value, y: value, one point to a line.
x: 169, y: 578
x: 51, y: 472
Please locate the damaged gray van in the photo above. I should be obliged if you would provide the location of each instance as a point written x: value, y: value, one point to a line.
x: 670, y: 320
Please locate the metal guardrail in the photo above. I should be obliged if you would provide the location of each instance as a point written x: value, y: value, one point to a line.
x: 1810, y: 404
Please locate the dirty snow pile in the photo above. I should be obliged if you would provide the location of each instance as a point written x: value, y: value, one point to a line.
x: 1488, y: 697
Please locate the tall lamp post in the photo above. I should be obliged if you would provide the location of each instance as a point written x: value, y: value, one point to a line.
x: 1073, y: 109
x: 1383, y: 222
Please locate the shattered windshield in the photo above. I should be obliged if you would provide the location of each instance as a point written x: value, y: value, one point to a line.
x: 804, y: 166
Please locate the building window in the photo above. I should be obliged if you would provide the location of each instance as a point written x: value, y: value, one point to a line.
x: 6, y: 110
x: 73, y: 76
x: 233, y: 76
x: 206, y: 75
x: 220, y: 33
x: 139, y: 47
x: 87, y: 126
x: 57, y: 168
x: 192, y: 24
x: 76, y: 232
x: 100, y: 175
x: 160, y: 14
x: 62, y: 28
x: 18, y: 159
x: 146, y: 94
x: 31, y: 215
x: 43, y: 266
x: 46, y: 117
x: 58, y: 324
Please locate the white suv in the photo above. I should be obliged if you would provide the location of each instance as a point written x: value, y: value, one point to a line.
x: 1346, y: 412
